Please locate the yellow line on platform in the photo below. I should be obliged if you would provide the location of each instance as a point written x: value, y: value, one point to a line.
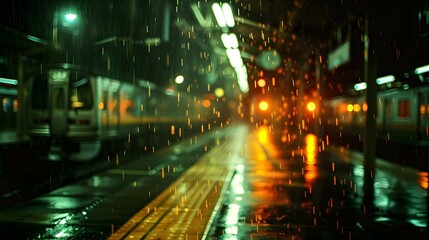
x: 185, y: 209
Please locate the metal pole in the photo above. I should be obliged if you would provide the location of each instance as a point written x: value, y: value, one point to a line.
x: 318, y: 101
x: 55, y: 29
x: 21, y: 124
x: 370, y: 123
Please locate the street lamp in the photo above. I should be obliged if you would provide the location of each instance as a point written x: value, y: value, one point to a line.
x: 66, y: 20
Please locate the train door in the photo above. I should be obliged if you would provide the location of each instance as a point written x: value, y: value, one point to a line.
x: 423, y: 118
x: 58, y: 102
x: 387, y: 116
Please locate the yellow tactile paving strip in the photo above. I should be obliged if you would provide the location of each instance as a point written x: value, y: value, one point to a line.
x: 185, y: 210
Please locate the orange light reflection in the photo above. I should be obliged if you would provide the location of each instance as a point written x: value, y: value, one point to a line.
x: 311, y: 170
x: 423, y: 179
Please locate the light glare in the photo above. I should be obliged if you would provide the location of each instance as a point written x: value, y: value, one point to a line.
x: 385, y: 79
x: 227, y: 13
x: 217, y: 10
x: 422, y: 69
x: 70, y: 17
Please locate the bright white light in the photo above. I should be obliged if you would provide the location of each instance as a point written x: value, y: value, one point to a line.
x: 385, y: 79
x: 60, y: 234
x: 229, y: 40
x: 227, y: 13
x: 422, y: 69
x: 360, y: 86
x: 9, y: 81
x: 232, y: 214
x: 70, y: 17
x: 179, y: 79
x: 242, y: 78
x: 217, y: 10
x: 234, y: 57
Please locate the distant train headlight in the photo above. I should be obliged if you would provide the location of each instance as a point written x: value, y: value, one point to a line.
x: 263, y: 105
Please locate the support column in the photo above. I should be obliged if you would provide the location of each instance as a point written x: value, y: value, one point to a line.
x: 21, y: 117
x: 301, y: 104
x: 369, y: 144
x: 318, y: 99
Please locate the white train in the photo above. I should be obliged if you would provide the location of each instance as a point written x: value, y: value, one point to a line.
x: 402, y: 119
x: 80, y: 113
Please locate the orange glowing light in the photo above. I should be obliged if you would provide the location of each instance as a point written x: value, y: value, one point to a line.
x: 206, y: 103
x: 364, y: 107
x: 263, y: 105
x: 311, y: 106
x: 262, y: 82
x: 356, y: 107
x: 263, y: 134
x: 311, y: 148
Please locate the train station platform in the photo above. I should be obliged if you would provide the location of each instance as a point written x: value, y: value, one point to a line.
x: 231, y: 183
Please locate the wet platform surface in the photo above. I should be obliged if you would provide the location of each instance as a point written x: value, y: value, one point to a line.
x: 232, y: 183
x: 307, y: 189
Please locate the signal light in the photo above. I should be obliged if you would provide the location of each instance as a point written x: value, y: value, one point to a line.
x: 262, y: 82
x: 311, y: 106
x: 263, y: 105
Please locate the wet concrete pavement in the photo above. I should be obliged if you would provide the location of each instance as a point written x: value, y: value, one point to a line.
x: 281, y: 187
x: 307, y: 189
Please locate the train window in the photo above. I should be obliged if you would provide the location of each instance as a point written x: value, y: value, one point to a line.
x: 404, y: 108
x: 81, y: 94
x: 39, y: 93
x: 7, y: 104
x: 388, y: 109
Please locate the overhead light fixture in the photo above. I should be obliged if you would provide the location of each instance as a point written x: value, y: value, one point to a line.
x: 385, y: 79
x: 179, y: 79
x: 70, y: 17
x: 360, y: 86
x: 229, y: 40
x: 242, y: 78
x: 9, y: 81
x: 217, y: 10
x: 422, y: 69
x: 229, y: 16
x: 234, y: 57
x: 223, y: 15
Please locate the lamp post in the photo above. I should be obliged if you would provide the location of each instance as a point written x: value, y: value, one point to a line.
x: 66, y: 20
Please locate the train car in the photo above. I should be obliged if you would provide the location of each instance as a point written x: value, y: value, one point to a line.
x: 80, y: 113
x: 402, y: 120
x: 402, y: 114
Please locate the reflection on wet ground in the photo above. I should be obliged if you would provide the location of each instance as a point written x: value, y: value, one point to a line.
x: 300, y: 190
